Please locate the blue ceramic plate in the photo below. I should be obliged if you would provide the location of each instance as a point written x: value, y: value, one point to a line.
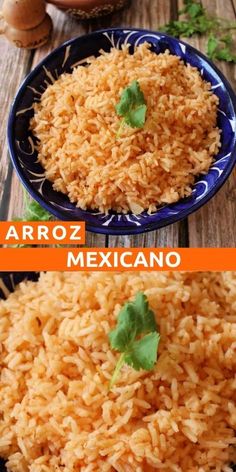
x: 24, y: 155
x: 8, y: 282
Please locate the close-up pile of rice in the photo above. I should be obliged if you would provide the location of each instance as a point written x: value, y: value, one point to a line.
x: 56, y: 410
x: 86, y: 157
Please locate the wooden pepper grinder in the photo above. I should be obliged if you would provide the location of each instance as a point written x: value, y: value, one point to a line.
x: 27, y: 25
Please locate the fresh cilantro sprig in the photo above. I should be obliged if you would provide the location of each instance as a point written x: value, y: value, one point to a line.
x: 136, y: 337
x: 199, y: 21
x: 221, y: 48
x: 132, y: 107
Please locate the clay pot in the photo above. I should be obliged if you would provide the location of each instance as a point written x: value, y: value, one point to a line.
x: 29, y: 39
x: 23, y: 14
x: 86, y: 9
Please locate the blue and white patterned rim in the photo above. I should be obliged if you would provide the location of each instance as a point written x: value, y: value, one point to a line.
x: 63, y: 59
x: 9, y: 281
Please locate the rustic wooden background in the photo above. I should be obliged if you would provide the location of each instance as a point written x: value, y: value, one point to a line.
x: 212, y: 226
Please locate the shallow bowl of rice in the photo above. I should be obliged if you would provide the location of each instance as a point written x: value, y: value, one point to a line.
x: 56, y: 410
x: 67, y: 149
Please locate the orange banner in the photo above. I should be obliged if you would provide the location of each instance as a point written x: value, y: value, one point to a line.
x: 43, y: 233
x: 121, y: 259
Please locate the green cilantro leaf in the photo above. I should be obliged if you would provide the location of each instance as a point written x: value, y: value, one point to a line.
x: 221, y: 48
x: 212, y: 46
x: 198, y: 21
x: 125, y: 333
x: 226, y: 55
x: 195, y: 10
x: 132, y: 106
x: 227, y: 39
x: 136, y: 336
x: 143, y: 354
x: 146, y: 317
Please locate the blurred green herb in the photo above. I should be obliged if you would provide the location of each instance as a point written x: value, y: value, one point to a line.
x: 132, y: 106
x: 199, y: 21
x: 136, y: 337
x: 221, y: 48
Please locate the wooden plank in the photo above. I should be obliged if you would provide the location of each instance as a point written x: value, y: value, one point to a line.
x: 141, y: 14
x: 214, y: 225
x: 234, y: 5
x: 166, y: 237
x: 149, y: 14
x: 14, y: 64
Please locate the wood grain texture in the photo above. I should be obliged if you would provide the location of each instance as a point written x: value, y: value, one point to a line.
x: 166, y: 237
x: 213, y: 225
x: 234, y: 5
x: 14, y: 65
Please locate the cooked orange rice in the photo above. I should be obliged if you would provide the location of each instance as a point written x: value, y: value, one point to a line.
x: 77, y: 124
x: 56, y: 412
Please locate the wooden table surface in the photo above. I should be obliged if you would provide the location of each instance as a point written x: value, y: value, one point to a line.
x: 212, y: 226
